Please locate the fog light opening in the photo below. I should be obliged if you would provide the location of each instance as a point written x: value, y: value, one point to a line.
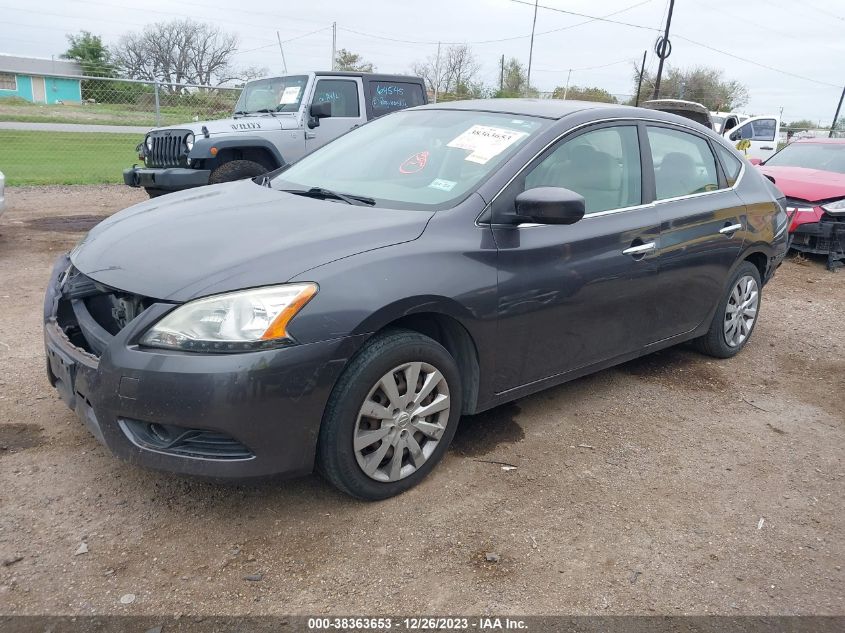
x: 159, y: 432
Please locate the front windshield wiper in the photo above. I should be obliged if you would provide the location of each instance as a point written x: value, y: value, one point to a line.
x: 320, y: 192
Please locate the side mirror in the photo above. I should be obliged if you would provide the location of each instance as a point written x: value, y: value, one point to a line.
x: 549, y: 205
x: 317, y: 111
x: 755, y: 161
x: 735, y: 136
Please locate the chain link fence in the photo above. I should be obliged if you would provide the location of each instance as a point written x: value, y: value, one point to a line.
x: 92, y: 139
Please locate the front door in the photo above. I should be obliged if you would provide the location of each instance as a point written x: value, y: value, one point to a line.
x: 346, y: 96
x: 572, y: 296
x: 757, y: 137
x: 702, y: 226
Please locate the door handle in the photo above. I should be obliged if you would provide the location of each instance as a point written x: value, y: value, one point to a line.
x: 639, y: 249
x: 310, y: 135
x: 730, y: 230
x: 767, y: 148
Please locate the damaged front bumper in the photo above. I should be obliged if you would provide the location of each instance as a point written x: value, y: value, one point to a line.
x: 825, y: 237
x: 211, y: 415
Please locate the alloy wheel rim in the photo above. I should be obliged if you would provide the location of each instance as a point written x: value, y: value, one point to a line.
x: 741, y: 311
x: 401, y: 422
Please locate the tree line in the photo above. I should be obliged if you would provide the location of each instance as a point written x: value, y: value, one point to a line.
x: 181, y: 52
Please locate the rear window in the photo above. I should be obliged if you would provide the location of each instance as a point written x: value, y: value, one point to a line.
x: 389, y: 96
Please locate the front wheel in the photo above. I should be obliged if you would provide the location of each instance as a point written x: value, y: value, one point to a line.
x: 736, y: 315
x: 390, y: 417
x: 236, y: 170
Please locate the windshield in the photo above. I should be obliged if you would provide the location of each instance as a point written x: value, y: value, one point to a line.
x: 414, y: 159
x: 824, y: 156
x: 278, y: 94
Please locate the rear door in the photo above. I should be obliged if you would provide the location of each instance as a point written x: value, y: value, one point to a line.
x: 702, y: 225
x: 757, y: 137
x: 572, y: 296
x: 346, y: 96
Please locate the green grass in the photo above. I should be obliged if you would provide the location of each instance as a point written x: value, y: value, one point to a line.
x: 103, y: 113
x: 65, y: 158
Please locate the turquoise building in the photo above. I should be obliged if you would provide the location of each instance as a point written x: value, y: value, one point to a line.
x: 40, y: 80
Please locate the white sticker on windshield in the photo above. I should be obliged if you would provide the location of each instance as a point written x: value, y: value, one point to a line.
x: 443, y: 185
x: 485, y: 142
x: 290, y: 95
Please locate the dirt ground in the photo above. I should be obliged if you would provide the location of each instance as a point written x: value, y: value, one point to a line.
x: 674, y: 484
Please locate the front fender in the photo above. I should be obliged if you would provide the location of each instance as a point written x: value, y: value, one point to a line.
x: 202, y: 147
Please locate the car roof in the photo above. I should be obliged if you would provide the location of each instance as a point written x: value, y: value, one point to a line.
x: 677, y: 104
x: 559, y: 108
x: 543, y: 108
x: 380, y: 76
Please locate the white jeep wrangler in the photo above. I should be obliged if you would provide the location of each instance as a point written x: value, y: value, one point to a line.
x: 276, y: 122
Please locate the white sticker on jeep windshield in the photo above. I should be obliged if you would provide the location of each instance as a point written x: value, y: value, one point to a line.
x: 443, y: 185
x: 290, y: 95
x: 485, y: 142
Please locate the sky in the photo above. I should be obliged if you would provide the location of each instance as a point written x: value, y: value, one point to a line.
x: 791, y: 52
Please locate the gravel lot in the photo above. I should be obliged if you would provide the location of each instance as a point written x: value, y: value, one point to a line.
x: 674, y: 484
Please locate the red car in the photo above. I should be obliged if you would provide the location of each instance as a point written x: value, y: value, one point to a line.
x: 811, y: 173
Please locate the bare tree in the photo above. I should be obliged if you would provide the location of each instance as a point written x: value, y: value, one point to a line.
x: 455, y: 74
x: 178, y: 52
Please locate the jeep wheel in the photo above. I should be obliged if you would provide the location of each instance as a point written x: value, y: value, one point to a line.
x: 236, y: 170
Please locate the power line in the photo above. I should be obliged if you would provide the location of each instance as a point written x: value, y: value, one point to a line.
x: 691, y: 41
x: 761, y: 65
x: 566, y: 70
x: 497, y: 40
x: 592, y: 18
x: 292, y: 39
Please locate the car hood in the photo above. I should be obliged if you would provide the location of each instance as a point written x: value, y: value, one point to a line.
x: 807, y: 184
x: 231, y: 236
x: 257, y: 123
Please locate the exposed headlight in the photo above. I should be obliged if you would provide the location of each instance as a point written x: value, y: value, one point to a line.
x: 233, y: 322
x: 149, y: 143
x: 836, y: 207
x: 189, y: 141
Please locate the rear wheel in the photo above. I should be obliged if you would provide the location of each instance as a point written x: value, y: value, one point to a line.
x: 236, y: 170
x: 391, y: 416
x: 736, y: 315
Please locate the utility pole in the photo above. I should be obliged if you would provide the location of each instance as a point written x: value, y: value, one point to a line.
x: 566, y: 89
x: 502, y: 75
x: 836, y: 116
x: 282, y: 51
x: 640, y: 82
x: 531, y: 49
x: 663, y: 50
x: 437, y: 73
x: 334, y: 43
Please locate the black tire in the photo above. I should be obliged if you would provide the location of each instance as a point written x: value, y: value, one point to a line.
x: 715, y: 343
x: 236, y: 170
x: 155, y: 193
x: 336, y: 457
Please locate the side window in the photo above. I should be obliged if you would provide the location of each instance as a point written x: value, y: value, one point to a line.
x: 341, y: 93
x: 683, y: 163
x: 759, y: 130
x: 389, y: 96
x: 602, y: 165
x: 730, y: 163
x: 763, y: 130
